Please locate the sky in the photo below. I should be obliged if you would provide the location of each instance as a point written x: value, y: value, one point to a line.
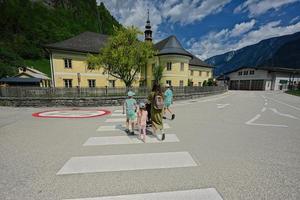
x: 210, y: 27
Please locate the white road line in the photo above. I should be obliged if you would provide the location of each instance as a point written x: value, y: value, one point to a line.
x: 266, y: 104
x: 116, y: 120
x: 263, y: 109
x: 120, y: 127
x: 256, y: 117
x: 283, y: 114
x: 118, y: 115
x: 285, y: 104
x: 110, y: 163
x: 113, y: 140
x: 220, y: 106
x: 196, y: 194
x: 202, y: 101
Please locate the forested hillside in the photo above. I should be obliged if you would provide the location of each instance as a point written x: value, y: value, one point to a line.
x: 27, y: 25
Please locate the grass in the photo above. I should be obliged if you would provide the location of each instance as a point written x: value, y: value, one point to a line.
x: 294, y: 92
x: 42, y: 65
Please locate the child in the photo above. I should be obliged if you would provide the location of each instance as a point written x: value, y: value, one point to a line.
x: 142, y: 121
x: 131, y: 107
x: 168, y: 100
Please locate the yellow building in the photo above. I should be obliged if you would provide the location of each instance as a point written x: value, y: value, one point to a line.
x: 69, y: 67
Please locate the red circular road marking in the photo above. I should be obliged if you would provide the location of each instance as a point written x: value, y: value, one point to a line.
x: 71, y: 113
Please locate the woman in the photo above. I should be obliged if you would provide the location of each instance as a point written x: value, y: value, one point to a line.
x: 156, y: 99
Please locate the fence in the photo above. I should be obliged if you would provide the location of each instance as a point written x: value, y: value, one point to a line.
x: 20, y: 92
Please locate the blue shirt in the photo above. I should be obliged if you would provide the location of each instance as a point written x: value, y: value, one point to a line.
x: 168, y: 96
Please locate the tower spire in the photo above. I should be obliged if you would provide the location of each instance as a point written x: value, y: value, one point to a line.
x: 148, y: 31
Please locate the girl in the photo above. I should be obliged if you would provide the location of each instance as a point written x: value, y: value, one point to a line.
x: 142, y: 121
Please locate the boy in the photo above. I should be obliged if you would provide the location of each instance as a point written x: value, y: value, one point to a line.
x: 131, y: 106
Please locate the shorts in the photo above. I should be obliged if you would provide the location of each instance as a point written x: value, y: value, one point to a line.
x: 167, y: 104
x: 131, y: 116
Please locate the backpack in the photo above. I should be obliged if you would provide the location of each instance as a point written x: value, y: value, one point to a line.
x: 158, y: 102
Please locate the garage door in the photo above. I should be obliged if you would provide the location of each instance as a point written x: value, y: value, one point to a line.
x: 234, y: 85
x: 257, y: 85
x: 244, y: 84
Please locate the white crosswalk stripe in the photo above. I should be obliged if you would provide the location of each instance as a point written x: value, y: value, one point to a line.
x: 129, y: 162
x: 114, y: 140
x: 118, y: 115
x: 111, y: 163
x: 120, y: 127
x: 196, y: 194
x: 115, y: 120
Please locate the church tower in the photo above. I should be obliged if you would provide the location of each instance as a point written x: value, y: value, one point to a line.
x: 148, y: 31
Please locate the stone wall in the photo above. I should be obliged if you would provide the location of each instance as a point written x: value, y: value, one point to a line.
x: 86, y: 101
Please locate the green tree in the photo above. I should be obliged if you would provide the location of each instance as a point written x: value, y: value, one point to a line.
x: 123, y: 55
x: 204, y: 83
x: 158, y: 73
x: 9, y: 62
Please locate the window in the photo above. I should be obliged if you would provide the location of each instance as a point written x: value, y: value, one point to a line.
x: 181, y: 83
x: 182, y: 66
x: 251, y: 72
x: 192, y: 73
x: 68, y: 63
x: 92, y: 83
x: 112, y: 83
x: 169, y: 66
x: 199, y: 83
x: 207, y: 73
x: 169, y: 82
x: 245, y: 72
x: 68, y: 83
x: 200, y: 73
x: 240, y: 73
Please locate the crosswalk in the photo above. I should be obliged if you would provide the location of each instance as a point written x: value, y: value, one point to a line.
x: 128, y: 162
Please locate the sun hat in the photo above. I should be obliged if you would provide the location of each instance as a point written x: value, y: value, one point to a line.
x: 130, y: 93
x: 142, y: 105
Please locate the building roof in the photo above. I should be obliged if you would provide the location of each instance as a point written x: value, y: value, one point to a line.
x: 171, y: 45
x: 32, y: 73
x: 271, y: 69
x: 90, y: 42
x: 198, y: 62
x: 86, y: 42
x: 20, y: 80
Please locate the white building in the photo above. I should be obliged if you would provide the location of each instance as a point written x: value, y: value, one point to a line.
x: 252, y: 78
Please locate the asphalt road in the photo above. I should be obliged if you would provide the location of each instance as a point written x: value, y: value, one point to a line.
x: 238, y: 145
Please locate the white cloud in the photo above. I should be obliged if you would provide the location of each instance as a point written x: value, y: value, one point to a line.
x: 216, y: 43
x: 134, y: 12
x: 242, y: 28
x: 258, y: 7
x: 295, y: 19
x: 189, y: 11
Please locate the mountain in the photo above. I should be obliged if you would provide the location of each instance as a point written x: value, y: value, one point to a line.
x: 283, y: 51
x: 26, y: 25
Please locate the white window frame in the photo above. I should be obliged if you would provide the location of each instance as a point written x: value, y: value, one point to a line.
x: 182, y: 66
x: 181, y: 82
x: 68, y: 83
x: 169, y: 66
x: 68, y: 63
x: 92, y: 83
